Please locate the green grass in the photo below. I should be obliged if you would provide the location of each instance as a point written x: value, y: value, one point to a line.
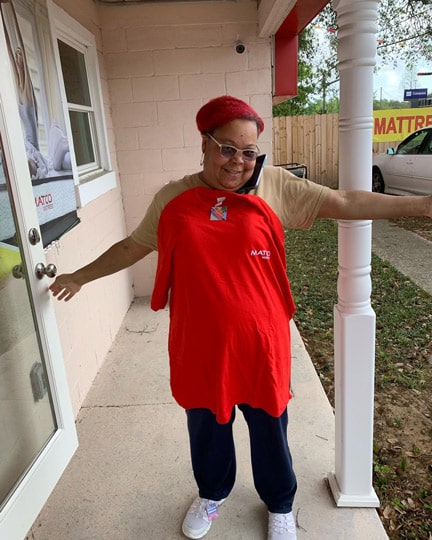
x: 403, y: 374
x: 403, y: 310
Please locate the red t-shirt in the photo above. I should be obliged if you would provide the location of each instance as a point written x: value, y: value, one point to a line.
x: 222, y: 265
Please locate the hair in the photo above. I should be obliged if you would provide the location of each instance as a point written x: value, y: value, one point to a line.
x: 221, y: 110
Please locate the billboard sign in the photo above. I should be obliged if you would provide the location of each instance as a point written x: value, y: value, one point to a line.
x: 395, y: 124
x: 415, y: 93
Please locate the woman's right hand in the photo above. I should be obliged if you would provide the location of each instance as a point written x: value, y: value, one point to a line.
x: 65, y: 287
x: 119, y: 256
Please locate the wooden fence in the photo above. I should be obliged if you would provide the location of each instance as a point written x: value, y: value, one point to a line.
x: 312, y: 141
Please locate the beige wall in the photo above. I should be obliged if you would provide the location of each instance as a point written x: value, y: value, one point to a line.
x: 88, y: 324
x: 159, y: 63
x: 163, y: 61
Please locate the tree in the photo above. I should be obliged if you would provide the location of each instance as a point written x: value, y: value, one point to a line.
x: 315, y: 94
x: 404, y: 34
x: 384, y: 104
x: 300, y: 103
x: 405, y: 31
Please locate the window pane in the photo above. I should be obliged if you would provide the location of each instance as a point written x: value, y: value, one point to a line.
x: 74, y: 75
x: 82, y: 137
x: 412, y: 145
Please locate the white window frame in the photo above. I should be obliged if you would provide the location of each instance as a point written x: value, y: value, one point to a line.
x: 90, y: 183
x: 90, y: 167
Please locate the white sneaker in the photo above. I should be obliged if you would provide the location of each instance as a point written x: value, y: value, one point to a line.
x: 199, y: 517
x: 281, y: 527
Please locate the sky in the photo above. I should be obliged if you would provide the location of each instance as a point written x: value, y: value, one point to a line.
x: 390, y: 83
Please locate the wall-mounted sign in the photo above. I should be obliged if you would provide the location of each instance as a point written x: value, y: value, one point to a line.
x: 415, y: 93
x: 42, y: 119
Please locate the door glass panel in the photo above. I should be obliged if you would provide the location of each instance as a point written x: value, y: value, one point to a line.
x: 27, y: 419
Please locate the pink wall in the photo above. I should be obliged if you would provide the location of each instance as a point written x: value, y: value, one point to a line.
x: 163, y: 61
x: 89, y: 323
x: 159, y: 63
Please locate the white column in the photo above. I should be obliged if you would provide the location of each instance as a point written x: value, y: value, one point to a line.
x: 354, y: 323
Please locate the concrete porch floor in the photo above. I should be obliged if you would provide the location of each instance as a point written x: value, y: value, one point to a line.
x: 131, y: 479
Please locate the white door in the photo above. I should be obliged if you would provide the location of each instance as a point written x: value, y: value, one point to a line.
x: 38, y: 436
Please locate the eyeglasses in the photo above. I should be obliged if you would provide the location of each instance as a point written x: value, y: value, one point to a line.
x: 228, y: 151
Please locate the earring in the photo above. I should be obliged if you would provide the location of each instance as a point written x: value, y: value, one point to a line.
x: 202, y: 160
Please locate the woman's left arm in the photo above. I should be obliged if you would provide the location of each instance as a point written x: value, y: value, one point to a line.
x: 354, y: 205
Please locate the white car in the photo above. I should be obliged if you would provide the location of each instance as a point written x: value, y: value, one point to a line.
x: 406, y: 170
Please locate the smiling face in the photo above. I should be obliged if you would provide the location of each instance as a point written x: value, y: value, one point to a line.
x: 224, y: 173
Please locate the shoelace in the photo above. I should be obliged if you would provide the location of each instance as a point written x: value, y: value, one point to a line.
x: 280, y: 523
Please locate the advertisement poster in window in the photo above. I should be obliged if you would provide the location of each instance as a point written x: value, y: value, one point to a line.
x: 38, y: 95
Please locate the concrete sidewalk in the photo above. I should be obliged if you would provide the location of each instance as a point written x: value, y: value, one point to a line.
x: 131, y: 477
x: 408, y: 252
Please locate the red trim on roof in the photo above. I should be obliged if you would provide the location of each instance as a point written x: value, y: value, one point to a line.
x: 286, y: 47
x: 285, y: 72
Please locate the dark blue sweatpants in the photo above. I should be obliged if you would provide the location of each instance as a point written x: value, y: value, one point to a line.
x: 214, y: 460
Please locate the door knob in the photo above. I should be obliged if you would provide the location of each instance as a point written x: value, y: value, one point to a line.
x: 49, y: 270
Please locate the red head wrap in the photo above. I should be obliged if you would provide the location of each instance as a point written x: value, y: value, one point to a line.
x: 221, y: 110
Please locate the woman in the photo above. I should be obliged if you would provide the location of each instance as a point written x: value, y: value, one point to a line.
x: 221, y: 263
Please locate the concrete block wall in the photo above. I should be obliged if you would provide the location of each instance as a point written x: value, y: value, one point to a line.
x: 158, y: 63
x: 163, y: 61
x: 89, y: 323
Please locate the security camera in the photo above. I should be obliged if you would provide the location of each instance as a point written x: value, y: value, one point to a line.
x: 240, y: 47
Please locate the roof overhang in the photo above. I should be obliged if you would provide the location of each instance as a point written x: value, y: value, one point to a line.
x: 286, y: 31
x: 287, y: 16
